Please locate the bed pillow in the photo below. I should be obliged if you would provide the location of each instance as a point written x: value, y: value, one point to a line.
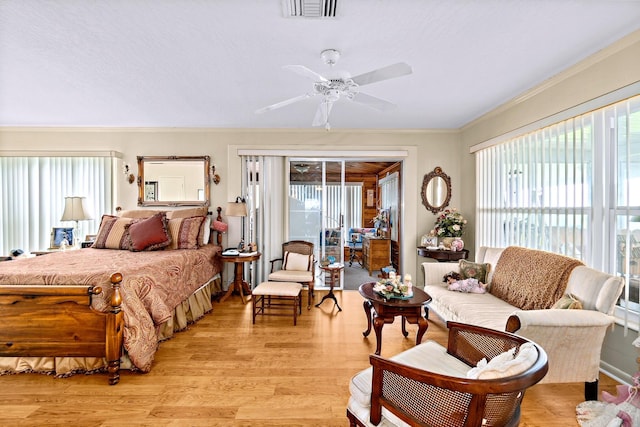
x: 298, y: 262
x: 506, y: 364
x: 112, y: 233
x: 473, y: 270
x: 188, y: 212
x: 205, y: 231
x: 149, y: 234
x: 185, y: 232
x: 138, y: 213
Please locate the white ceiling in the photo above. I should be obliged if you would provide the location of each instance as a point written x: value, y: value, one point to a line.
x: 212, y: 63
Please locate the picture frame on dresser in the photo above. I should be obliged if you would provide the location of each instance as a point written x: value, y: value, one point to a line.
x: 58, y: 234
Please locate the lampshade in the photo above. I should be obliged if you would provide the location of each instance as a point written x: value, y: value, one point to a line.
x: 75, y: 209
x: 237, y: 208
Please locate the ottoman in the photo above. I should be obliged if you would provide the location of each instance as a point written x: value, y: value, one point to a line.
x: 285, y: 294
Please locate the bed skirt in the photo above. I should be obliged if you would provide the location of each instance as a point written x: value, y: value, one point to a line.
x: 189, y: 311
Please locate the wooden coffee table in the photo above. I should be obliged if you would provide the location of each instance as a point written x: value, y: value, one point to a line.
x: 380, y: 311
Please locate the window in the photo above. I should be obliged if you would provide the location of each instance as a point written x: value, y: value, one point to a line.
x: 32, y: 192
x: 570, y: 188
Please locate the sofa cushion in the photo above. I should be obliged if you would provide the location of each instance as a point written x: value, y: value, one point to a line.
x: 568, y: 302
x: 474, y: 270
x: 477, y: 309
x: 291, y: 276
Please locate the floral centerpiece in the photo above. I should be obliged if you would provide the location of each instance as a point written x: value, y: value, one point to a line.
x: 380, y: 220
x: 450, y: 223
x: 393, y: 287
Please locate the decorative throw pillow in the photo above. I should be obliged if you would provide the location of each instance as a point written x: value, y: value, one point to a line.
x: 185, y: 232
x: 568, y: 302
x: 112, y: 233
x: 506, y: 364
x: 298, y: 262
x: 149, y: 234
x: 472, y: 270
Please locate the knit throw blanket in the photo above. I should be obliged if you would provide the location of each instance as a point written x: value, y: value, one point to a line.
x: 531, y: 279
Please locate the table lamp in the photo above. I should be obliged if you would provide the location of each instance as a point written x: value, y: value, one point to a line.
x: 239, y: 209
x: 75, y: 209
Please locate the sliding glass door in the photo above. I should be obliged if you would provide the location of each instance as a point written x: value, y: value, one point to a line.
x: 317, y: 206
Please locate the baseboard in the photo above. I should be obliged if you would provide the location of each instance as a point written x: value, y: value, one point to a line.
x: 615, y: 373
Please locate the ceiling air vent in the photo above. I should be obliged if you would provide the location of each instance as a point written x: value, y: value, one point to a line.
x: 310, y: 8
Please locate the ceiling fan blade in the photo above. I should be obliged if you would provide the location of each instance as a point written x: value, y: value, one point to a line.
x: 304, y: 71
x: 385, y: 73
x: 373, y: 102
x: 322, y: 113
x: 283, y: 103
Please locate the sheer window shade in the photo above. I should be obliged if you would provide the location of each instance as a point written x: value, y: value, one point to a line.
x: 32, y: 192
x: 570, y: 188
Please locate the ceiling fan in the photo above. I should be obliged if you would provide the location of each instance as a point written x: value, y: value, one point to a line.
x: 343, y: 87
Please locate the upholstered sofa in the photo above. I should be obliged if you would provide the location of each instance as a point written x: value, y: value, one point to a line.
x: 524, y: 285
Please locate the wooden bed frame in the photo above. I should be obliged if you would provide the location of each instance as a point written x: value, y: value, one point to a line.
x: 58, y: 320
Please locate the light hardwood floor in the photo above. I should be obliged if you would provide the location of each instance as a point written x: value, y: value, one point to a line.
x: 224, y: 371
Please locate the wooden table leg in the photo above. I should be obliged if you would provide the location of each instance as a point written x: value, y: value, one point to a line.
x: 238, y: 283
x: 367, y: 311
x: 423, y: 324
x: 378, y: 323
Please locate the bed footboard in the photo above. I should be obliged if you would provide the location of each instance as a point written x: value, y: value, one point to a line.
x: 58, y: 321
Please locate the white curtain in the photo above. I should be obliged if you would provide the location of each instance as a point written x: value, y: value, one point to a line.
x: 32, y: 192
x: 570, y: 188
x: 264, y: 190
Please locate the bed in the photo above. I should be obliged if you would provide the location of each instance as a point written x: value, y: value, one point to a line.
x: 154, y: 294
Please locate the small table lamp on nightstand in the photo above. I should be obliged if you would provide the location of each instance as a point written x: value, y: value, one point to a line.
x: 75, y: 209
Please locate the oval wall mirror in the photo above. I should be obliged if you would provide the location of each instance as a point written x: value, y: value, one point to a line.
x: 436, y: 190
x: 173, y: 181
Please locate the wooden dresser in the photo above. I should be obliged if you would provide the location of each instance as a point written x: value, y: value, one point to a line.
x: 376, y: 253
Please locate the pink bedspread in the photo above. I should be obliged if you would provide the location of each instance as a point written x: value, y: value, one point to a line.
x: 154, y: 283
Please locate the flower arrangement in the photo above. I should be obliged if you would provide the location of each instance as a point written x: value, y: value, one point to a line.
x: 450, y: 223
x: 380, y: 220
x: 393, y: 287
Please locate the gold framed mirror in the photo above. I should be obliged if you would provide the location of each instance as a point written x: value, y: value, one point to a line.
x: 436, y: 190
x: 173, y: 181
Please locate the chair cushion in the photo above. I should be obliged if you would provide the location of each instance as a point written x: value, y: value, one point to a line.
x: 429, y: 356
x: 295, y: 261
x: 291, y: 276
x: 278, y: 289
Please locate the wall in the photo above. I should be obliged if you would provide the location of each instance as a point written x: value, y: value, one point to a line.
x: 425, y: 150
x: 613, y: 68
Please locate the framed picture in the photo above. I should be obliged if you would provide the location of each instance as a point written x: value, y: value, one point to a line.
x: 58, y: 234
x: 429, y: 241
x: 151, y: 191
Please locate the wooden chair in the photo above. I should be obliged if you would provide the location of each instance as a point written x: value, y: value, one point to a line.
x: 427, y: 384
x: 294, y: 268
